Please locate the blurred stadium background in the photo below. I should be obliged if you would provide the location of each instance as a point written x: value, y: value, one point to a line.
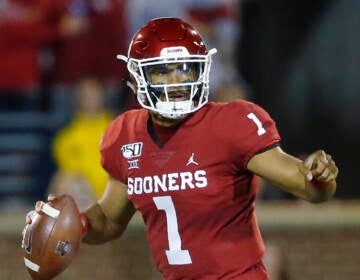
x: 298, y: 59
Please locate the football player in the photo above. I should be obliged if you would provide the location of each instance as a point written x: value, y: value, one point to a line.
x: 188, y: 164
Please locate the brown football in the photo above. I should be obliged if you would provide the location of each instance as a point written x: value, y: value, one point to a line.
x: 52, y: 240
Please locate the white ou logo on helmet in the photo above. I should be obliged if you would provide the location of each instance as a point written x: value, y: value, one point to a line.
x: 174, y: 51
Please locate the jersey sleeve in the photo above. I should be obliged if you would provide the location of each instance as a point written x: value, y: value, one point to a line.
x: 256, y: 132
x: 109, y: 152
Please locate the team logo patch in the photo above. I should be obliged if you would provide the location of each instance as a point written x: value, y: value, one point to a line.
x: 63, y: 248
x: 133, y: 164
x: 132, y: 150
x: 191, y: 160
x: 172, y: 51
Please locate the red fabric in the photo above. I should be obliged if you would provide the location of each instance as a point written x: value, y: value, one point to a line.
x: 320, y: 184
x: 197, y: 182
x: 84, y: 222
x: 93, y: 52
x: 24, y: 28
x: 110, y: 37
x: 164, y: 133
x: 208, y: 14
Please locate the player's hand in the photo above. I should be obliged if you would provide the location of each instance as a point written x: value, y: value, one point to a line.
x: 48, y: 253
x: 38, y: 206
x: 319, y: 166
x: 32, y: 214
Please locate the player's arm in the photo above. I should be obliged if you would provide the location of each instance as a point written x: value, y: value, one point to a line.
x: 313, y: 179
x: 108, y: 218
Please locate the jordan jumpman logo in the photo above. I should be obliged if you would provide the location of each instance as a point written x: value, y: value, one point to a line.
x: 191, y: 160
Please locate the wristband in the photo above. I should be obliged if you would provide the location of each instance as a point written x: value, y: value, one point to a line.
x: 320, y: 184
x: 84, y: 222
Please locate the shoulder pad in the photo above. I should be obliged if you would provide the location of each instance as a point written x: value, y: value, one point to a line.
x: 111, y: 134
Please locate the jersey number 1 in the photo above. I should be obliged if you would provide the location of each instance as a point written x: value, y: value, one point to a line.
x: 175, y: 255
x: 261, y: 130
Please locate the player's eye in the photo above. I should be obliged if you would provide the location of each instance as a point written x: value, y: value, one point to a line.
x: 184, y: 68
x: 160, y: 69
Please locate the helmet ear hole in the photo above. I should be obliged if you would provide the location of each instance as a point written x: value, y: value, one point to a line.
x: 131, y: 85
x: 133, y: 66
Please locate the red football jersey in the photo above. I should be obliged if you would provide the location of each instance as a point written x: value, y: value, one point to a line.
x: 195, y: 193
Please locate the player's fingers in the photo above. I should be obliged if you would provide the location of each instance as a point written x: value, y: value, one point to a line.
x: 322, y: 156
x: 324, y: 175
x: 329, y: 158
x: 314, y: 164
x: 306, y: 166
x: 320, y: 163
x: 51, y: 197
x: 38, y: 206
x: 305, y: 171
x: 334, y: 170
x: 326, y: 169
x: 29, y: 216
x: 309, y: 161
x: 321, y: 166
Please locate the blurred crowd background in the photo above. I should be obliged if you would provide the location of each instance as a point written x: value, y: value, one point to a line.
x: 60, y: 84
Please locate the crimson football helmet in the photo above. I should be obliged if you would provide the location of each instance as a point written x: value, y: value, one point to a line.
x: 167, y: 45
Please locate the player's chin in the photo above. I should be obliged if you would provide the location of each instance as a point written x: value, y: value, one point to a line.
x: 167, y: 122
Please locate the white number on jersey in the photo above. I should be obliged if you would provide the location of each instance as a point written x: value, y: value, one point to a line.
x: 175, y: 254
x: 259, y: 125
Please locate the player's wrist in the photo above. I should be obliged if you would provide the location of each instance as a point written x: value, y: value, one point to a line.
x: 84, y: 223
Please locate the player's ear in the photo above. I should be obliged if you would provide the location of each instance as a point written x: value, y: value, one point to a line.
x: 131, y: 84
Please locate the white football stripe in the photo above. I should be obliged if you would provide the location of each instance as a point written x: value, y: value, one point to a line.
x: 31, y: 265
x: 50, y: 211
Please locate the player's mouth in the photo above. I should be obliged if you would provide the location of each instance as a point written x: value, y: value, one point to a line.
x: 178, y: 96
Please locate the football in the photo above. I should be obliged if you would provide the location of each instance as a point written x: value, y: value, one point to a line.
x: 52, y: 240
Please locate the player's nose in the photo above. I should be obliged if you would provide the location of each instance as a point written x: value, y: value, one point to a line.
x: 173, y: 77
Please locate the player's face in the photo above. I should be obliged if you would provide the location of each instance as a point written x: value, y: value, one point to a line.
x: 173, y: 73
